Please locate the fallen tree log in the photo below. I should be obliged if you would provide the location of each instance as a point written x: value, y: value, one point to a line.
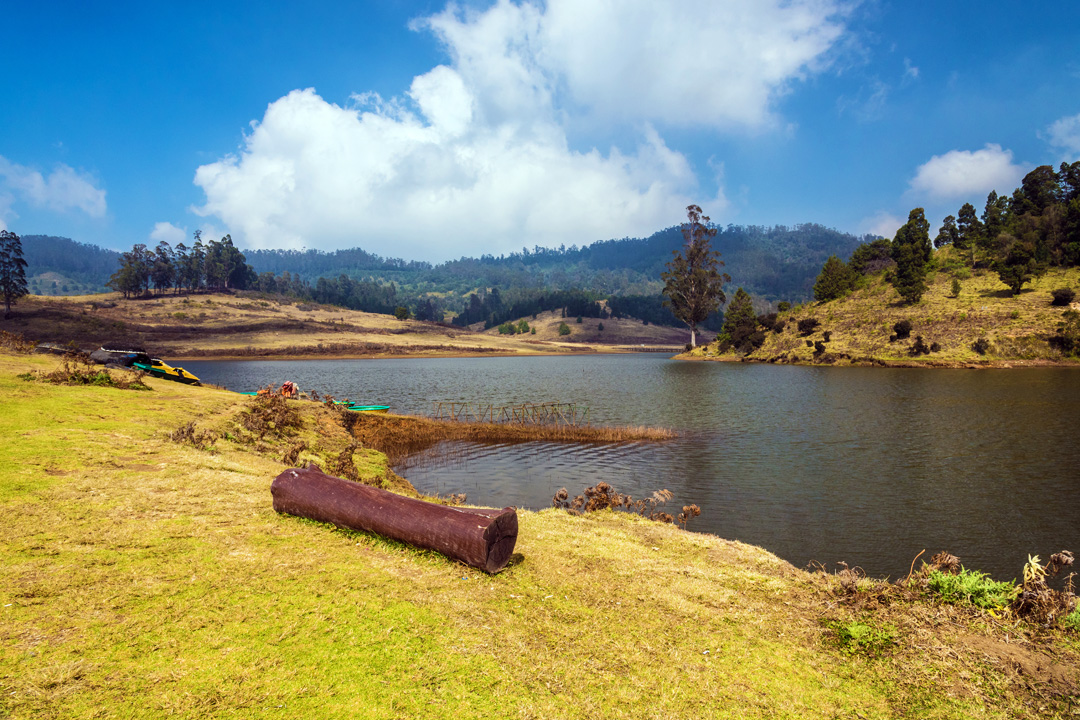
x: 480, y: 538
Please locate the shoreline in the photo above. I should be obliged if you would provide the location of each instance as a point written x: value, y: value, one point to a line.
x: 401, y: 356
x: 891, y: 364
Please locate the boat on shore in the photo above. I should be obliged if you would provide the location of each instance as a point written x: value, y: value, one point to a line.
x: 122, y: 355
x: 161, y: 369
x: 369, y: 408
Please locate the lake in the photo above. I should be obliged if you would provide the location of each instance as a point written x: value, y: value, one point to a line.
x: 864, y: 465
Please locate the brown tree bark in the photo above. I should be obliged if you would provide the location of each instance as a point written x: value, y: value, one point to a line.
x: 480, y: 538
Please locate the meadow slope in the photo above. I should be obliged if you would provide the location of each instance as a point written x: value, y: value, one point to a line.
x: 147, y: 575
x: 1017, y: 329
x: 248, y: 325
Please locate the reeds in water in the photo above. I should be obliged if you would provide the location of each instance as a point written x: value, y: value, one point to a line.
x: 400, y: 435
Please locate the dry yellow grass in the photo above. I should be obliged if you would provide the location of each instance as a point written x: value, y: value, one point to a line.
x: 619, y: 332
x: 246, y: 326
x: 860, y: 324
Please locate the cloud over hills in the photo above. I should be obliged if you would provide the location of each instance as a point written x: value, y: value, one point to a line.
x: 482, y: 150
x: 963, y: 173
x: 63, y: 190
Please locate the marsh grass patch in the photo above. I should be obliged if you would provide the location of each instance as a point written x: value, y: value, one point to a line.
x: 603, y: 496
x: 15, y: 343
x: 80, y: 370
x: 400, y: 435
x: 270, y: 416
x: 863, y: 637
x: 188, y: 434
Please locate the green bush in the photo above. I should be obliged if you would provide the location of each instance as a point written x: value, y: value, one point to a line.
x: 857, y: 638
x: 919, y: 347
x: 564, y: 329
x: 1068, y: 337
x: 970, y: 587
x: 1062, y: 297
x: 1072, y: 620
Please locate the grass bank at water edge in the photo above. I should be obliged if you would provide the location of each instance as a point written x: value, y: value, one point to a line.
x: 145, y: 577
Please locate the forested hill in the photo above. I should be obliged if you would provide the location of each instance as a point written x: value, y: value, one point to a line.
x: 777, y: 263
x: 774, y: 263
x: 61, y: 266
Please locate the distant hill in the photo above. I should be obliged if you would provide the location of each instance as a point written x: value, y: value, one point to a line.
x: 772, y: 263
x: 777, y: 263
x: 61, y: 266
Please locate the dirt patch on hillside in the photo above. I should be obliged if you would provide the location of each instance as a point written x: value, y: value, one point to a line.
x: 1034, y: 669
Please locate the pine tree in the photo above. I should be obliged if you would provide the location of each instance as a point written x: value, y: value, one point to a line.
x: 12, y: 270
x: 911, y: 250
x: 740, y: 322
x: 969, y: 230
x: 948, y: 234
x: 835, y: 280
x: 693, y: 283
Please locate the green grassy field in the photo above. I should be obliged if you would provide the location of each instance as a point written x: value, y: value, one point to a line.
x: 145, y: 578
x: 1017, y: 328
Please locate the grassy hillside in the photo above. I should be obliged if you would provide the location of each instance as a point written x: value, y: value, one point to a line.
x: 145, y: 577
x: 1017, y: 328
x: 628, y: 332
x: 248, y: 325
x: 61, y: 266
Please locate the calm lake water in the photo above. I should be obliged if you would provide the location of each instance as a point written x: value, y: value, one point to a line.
x: 865, y: 465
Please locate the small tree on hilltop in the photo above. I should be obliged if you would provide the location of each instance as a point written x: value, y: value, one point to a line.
x: 872, y: 257
x: 12, y: 270
x: 911, y: 250
x: 740, y: 322
x: 836, y: 280
x: 1018, y: 265
x: 693, y: 282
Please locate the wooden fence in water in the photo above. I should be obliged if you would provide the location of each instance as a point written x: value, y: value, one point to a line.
x: 548, y: 413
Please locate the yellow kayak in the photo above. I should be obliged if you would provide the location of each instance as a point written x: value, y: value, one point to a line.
x: 162, y: 369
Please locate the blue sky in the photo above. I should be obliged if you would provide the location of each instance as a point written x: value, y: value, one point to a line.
x: 430, y: 131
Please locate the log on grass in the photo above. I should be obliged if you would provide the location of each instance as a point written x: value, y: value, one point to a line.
x: 481, y: 538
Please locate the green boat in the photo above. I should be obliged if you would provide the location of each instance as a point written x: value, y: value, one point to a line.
x: 369, y: 408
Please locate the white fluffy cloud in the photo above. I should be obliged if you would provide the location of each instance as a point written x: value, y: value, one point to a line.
x: 167, y: 232
x: 682, y: 62
x: 964, y: 173
x: 64, y: 189
x: 1065, y: 134
x: 478, y: 154
x: 882, y: 224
